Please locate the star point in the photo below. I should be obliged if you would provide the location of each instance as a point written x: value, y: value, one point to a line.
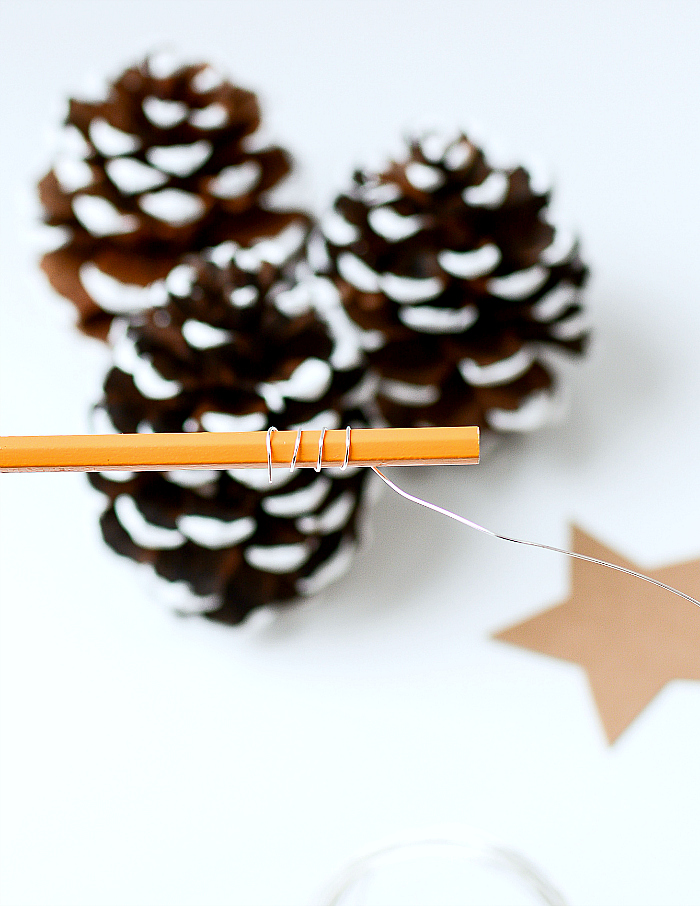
x: 631, y: 637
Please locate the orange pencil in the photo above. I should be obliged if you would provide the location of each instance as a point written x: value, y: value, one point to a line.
x: 240, y: 450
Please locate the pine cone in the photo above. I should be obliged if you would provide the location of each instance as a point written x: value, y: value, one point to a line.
x: 460, y: 285
x: 235, y: 348
x: 165, y: 165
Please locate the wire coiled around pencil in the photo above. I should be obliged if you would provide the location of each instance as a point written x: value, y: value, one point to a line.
x: 461, y: 519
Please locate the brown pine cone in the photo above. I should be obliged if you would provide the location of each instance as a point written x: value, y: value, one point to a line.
x: 165, y: 165
x: 461, y: 286
x: 237, y: 347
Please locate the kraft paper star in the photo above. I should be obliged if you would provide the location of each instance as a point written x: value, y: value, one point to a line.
x: 630, y: 637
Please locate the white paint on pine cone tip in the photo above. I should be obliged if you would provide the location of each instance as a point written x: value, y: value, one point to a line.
x: 434, y: 145
x: 173, y: 206
x: 519, y: 284
x: 428, y: 319
x: 460, y: 155
x: 409, y: 394
x: 257, y: 479
x: 539, y: 176
x: 490, y: 193
x: 214, y: 116
x: 410, y: 289
x: 293, y: 302
x: 423, y: 177
x: 362, y: 394
x: 145, y: 427
x: 334, y: 568
x: 357, y: 273
x: 118, y: 475
x: 101, y: 218
x: 560, y: 249
x: 371, y: 340
x: 504, y: 371
x: 204, y: 336
x: 180, y: 280
x: 375, y: 193
x: 44, y: 238
x: 206, y: 80
x: 71, y: 142
x: 148, y: 381
x: 326, y: 419
x: 218, y: 422
x: 162, y: 113
x: 132, y: 176
x: 116, y: 297
x: 93, y: 89
x: 163, y: 63
x: 535, y: 411
x: 572, y: 328
x: 143, y: 533
x: 308, y: 382
x: 297, y: 503
x: 338, y: 230
x: 191, y: 478
x: 277, y: 558
x: 216, y: 533
x: 177, y: 595
x: 259, y: 140
x: 72, y: 174
x: 180, y: 160
x: 391, y: 225
x: 236, y: 180
x: 276, y: 250
x: 317, y: 253
x: 346, y: 352
x: 111, y: 142
x: 470, y: 264
x: 243, y: 297
x: 554, y: 303
x: 332, y: 519
x: 222, y: 254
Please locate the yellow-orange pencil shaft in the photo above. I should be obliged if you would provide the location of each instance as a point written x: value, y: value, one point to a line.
x: 241, y: 450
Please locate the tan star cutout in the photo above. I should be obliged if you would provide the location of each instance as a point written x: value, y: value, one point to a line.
x: 630, y: 637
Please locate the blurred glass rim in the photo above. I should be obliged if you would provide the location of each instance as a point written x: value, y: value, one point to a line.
x: 454, y: 842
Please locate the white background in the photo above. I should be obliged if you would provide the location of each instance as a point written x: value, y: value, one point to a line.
x: 155, y: 761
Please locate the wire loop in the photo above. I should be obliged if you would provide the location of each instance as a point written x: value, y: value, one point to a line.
x: 268, y: 445
x: 347, y: 449
x: 293, y: 463
x: 319, y: 461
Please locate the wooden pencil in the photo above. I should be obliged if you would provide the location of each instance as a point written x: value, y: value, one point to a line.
x: 240, y: 450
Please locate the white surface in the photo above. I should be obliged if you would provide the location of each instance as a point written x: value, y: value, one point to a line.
x: 152, y: 761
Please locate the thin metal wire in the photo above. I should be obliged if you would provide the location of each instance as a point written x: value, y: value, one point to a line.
x: 268, y: 445
x: 295, y: 452
x: 347, y: 449
x: 293, y: 463
x: 547, y: 547
x: 319, y: 461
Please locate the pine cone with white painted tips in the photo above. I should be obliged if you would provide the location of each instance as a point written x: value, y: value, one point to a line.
x: 460, y: 285
x: 237, y: 347
x: 166, y: 164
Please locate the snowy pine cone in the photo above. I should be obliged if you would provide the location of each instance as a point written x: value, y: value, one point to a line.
x: 460, y: 285
x: 168, y: 163
x: 237, y: 347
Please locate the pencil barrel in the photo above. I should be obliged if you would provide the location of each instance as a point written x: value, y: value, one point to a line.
x: 159, y: 452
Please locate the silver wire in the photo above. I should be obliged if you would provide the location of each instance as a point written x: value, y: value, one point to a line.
x: 546, y: 547
x: 295, y: 453
x: 268, y: 445
x: 293, y: 463
x: 347, y: 449
x: 319, y: 461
